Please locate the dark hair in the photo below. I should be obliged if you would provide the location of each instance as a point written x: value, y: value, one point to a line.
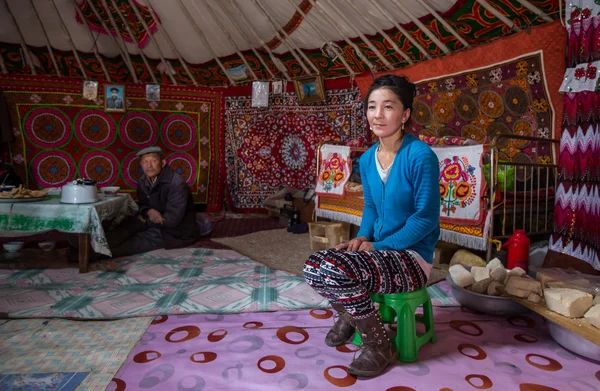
x: 399, y: 85
x: 114, y: 89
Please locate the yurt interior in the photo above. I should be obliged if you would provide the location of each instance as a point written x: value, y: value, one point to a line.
x: 242, y: 195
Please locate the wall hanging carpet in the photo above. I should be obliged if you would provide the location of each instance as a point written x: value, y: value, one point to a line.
x: 161, y: 282
x: 54, y: 346
x: 270, y: 148
x: 286, y: 351
x: 61, y: 136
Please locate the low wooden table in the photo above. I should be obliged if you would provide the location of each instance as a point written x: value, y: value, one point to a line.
x: 577, y: 325
x: 20, y: 218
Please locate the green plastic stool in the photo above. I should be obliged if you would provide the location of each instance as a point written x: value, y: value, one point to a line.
x: 403, y: 307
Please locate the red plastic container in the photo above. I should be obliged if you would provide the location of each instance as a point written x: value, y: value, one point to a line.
x: 517, y: 252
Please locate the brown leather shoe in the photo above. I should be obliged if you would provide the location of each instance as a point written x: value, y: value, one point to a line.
x: 342, y: 329
x: 377, y: 353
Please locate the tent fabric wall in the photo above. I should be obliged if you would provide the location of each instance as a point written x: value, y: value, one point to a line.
x: 60, y: 136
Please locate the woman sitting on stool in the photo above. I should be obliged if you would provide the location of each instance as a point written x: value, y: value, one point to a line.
x: 394, y: 248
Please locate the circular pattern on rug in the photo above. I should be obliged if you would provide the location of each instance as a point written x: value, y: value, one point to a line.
x: 179, y: 132
x: 48, y: 127
x: 496, y: 128
x: 474, y: 133
x: 131, y: 169
x: 522, y: 173
x: 466, y: 107
x: 522, y: 128
x: 491, y: 104
x: 100, y: 166
x: 448, y: 131
x: 516, y: 100
x: 294, y: 152
x: 427, y: 133
x: 140, y: 130
x: 95, y: 128
x: 184, y: 165
x: 443, y: 110
x: 421, y: 113
x: 52, y: 168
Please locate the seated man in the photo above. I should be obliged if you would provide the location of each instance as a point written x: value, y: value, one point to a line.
x: 166, y: 218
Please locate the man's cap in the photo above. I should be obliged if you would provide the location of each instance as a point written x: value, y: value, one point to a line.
x: 153, y: 149
x: 114, y: 89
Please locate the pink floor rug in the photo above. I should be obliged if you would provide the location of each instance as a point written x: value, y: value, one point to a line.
x: 286, y: 351
x: 161, y: 282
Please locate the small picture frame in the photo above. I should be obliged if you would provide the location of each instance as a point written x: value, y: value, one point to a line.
x: 89, y: 90
x: 277, y: 87
x: 153, y: 92
x: 309, y: 89
x: 114, y: 98
x: 260, y: 94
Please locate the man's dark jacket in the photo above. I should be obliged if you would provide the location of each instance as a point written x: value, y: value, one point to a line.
x: 171, y: 196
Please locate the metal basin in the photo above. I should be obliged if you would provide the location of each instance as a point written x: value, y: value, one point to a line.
x: 492, y: 305
x: 574, y: 342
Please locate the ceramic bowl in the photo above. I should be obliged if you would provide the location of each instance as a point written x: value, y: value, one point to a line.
x: 110, y: 191
x: 13, y: 247
x: 47, y: 246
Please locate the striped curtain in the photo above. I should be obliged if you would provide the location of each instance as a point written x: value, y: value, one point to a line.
x: 576, y: 230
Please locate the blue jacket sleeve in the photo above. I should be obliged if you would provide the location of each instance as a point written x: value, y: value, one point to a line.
x: 425, y: 177
x: 369, y: 215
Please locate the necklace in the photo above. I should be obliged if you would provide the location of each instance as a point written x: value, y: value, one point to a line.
x: 383, y: 166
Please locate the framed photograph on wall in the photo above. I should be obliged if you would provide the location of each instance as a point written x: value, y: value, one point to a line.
x: 90, y: 90
x: 260, y: 94
x: 277, y: 87
x: 153, y: 92
x: 309, y: 89
x: 114, y: 98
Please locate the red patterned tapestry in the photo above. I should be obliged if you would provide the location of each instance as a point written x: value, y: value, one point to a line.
x: 60, y: 136
x: 576, y: 228
x: 269, y: 148
x: 137, y: 28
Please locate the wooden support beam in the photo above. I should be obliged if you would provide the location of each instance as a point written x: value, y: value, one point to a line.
x: 443, y: 22
x: 421, y: 26
x: 498, y: 15
x: 48, y: 45
x: 26, y: 53
x: 95, y: 50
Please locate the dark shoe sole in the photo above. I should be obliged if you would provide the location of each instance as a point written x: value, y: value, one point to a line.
x: 358, y: 372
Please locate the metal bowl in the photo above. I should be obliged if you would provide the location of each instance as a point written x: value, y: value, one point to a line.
x: 492, y: 305
x: 574, y: 342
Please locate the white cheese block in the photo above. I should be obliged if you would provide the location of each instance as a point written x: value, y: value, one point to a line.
x: 480, y: 273
x: 461, y: 276
x: 526, y: 284
x: 494, y: 263
x: 498, y: 274
x: 481, y: 286
x: 568, y: 302
x: 517, y: 271
x: 596, y: 300
x: 593, y: 315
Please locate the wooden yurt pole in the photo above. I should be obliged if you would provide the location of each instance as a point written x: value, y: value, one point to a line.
x: 423, y: 28
x: 443, y: 22
x: 498, y: 15
x: 123, y: 51
x: 367, y: 19
x: 535, y: 10
x: 160, y: 53
x: 339, y: 53
x: 68, y: 35
x: 163, y: 30
x: 333, y: 22
x: 94, y: 40
x: 3, y: 64
x: 134, y: 41
x: 285, y: 38
x: 341, y: 14
x: 22, y: 40
x: 48, y: 45
x: 402, y: 30
x: 257, y: 37
x: 205, y: 41
x: 231, y: 41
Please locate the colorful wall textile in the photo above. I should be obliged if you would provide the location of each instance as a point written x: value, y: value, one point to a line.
x: 576, y: 228
x: 139, y: 32
x: 269, y: 148
x: 60, y: 136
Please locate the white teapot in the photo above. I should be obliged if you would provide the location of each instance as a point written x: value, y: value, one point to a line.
x: 80, y: 191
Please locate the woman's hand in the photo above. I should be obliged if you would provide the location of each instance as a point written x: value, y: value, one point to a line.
x: 354, y: 244
x: 366, y: 246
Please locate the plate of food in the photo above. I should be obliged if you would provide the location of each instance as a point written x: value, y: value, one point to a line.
x: 20, y: 194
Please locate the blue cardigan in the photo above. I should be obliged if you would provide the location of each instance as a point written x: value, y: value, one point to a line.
x: 403, y: 213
